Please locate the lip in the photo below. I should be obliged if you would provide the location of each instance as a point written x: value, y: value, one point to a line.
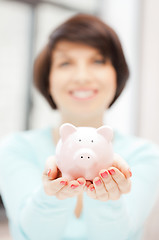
x: 83, y: 94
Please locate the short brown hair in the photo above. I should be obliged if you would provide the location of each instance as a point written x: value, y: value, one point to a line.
x: 90, y: 30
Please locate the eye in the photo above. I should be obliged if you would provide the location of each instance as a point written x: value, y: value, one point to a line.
x: 64, y: 64
x: 99, y: 61
x: 92, y: 141
x: 79, y: 140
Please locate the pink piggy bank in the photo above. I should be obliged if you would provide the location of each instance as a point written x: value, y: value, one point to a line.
x: 84, y: 151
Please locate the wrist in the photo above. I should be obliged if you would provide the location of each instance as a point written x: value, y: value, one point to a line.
x: 110, y: 204
x: 41, y: 197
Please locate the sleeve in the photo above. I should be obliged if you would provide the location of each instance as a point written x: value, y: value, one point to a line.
x: 36, y: 215
x: 123, y: 219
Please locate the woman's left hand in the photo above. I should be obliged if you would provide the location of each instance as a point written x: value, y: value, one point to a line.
x: 112, y: 182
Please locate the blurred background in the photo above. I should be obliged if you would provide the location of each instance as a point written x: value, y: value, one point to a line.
x: 24, y: 28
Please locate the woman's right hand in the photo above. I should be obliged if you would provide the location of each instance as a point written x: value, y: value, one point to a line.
x: 55, y: 185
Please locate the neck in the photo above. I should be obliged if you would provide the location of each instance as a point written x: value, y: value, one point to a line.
x: 84, y: 122
x: 78, y: 122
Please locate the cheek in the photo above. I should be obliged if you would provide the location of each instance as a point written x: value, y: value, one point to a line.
x: 58, y: 79
x: 54, y: 83
x: 108, y: 85
x: 113, y: 86
x: 108, y: 81
x: 54, y: 87
x: 112, y: 79
x: 57, y: 86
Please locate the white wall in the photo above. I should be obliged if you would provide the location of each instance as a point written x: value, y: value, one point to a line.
x: 124, y: 17
x: 47, y: 19
x: 14, y: 28
x: 149, y: 88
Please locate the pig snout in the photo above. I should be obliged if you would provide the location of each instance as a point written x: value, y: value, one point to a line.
x: 85, y: 158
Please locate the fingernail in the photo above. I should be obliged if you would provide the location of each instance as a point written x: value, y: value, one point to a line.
x: 111, y: 171
x: 87, y: 185
x: 63, y: 183
x: 48, y: 172
x: 92, y: 188
x: 98, y: 182
x: 104, y: 174
x: 81, y: 183
x: 130, y: 172
x: 74, y: 186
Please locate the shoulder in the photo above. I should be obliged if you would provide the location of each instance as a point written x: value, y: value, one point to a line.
x: 21, y: 137
x: 135, y: 148
x: 22, y: 143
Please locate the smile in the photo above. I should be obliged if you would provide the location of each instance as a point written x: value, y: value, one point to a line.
x: 83, y: 94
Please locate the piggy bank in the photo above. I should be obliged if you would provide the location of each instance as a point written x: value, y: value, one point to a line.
x: 84, y: 151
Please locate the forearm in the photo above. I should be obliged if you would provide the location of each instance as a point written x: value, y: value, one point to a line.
x: 125, y: 217
x: 45, y: 217
x: 107, y: 220
x: 143, y: 195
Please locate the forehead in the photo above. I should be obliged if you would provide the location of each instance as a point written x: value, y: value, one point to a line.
x: 66, y: 47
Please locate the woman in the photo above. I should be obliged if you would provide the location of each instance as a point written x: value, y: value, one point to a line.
x: 81, y: 72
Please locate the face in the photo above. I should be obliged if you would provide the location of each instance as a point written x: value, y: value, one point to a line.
x: 81, y: 82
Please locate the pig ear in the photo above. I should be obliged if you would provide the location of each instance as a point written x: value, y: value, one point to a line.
x: 66, y: 129
x: 106, y: 132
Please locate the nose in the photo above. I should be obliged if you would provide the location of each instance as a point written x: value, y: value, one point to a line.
x: 82, y: 74
x: 85, y: 158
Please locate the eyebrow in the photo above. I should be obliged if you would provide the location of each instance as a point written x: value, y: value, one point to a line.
x: 60, y: 53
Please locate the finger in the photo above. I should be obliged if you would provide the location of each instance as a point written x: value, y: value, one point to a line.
x: 51, y: 170
x: 88, y: 183
x: 122, y: 165
x: 76, y: 186
x: 110, y: 185
x: 72, y: 189
x: 81, y: 182
x: 101, y: 191
x: 124, y: 184
x: 53, y: 186
x: 91, y: 192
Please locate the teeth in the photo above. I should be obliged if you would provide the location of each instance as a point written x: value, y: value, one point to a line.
x: 83, y: 94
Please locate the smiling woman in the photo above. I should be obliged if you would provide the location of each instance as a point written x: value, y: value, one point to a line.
x: 89, y: 32
x: 79, y: 85
x: 81, y: 72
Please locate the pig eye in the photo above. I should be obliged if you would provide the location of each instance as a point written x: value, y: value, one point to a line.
x: 79, y: 140
x: 91, y: 140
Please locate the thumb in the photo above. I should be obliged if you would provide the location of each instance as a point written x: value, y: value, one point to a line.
x: 51, y: 169
x: 122, y: 165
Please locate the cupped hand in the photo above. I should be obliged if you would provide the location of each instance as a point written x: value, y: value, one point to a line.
x: 55, y: 185
x: 112, y: 182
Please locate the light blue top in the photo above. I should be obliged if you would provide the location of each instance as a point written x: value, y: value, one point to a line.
x: 35, y: 216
